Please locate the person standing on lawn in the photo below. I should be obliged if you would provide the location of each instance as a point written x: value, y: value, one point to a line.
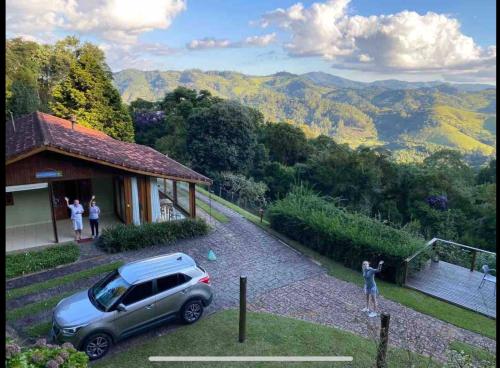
x: 94, y: 213
x: 76, y: 216
x: 370, y: 288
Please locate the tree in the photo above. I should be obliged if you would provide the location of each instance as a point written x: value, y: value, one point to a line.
x: 168, y: 134
x: 488, y: 174
x: 286, y: 143
x: 22, y: 70
x: 64, y: 79
x: 222, y: 137
x: 88, y: 92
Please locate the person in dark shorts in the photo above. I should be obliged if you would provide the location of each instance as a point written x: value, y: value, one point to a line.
x: 370, y: 288
x: 94, y: 212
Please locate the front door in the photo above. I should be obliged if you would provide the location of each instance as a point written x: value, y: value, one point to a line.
x: 73, y: 189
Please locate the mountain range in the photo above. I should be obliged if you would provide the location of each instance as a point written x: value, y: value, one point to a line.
x: 412, y: 119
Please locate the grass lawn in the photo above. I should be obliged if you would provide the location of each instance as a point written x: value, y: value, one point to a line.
x: 411, y: 298
x: 39, y: 330
x: 36, y: 308
x: 217, y: 335
x: 241, y: 211
x: 477, y: 354
x: 31, y: 289
x: 215, y: 214
x: 37, y: 260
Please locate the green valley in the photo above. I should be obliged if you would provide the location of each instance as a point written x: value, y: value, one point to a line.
x: 411, y: 119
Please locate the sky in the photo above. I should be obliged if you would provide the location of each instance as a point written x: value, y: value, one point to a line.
x: 364, y: 40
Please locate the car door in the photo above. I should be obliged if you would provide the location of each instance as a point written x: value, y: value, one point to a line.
x: 139, y: 302
x: 172, y: 292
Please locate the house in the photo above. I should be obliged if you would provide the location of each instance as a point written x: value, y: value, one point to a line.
x: 49, y: 158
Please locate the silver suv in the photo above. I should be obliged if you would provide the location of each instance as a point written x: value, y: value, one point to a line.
x: 132, y: 299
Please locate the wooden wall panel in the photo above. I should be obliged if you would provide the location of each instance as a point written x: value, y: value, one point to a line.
x: 24, y: 171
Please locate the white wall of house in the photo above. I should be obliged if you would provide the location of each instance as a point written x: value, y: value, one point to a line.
x: 30, y: 207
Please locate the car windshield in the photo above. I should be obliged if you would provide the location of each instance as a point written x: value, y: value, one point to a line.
x: 107, y: 291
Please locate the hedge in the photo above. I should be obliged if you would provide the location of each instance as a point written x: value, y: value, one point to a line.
x: 127, y: 237
x: 349, y: 238
x: 17, y: 264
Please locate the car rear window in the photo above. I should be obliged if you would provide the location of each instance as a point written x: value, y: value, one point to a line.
x: 171, y: 281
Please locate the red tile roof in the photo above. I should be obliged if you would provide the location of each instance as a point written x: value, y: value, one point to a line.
x: 40, y: 130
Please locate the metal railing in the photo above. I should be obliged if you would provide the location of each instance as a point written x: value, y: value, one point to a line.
x: 432, y: 248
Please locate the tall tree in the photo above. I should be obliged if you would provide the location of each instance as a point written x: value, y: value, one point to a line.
x: 88, y: 92
x: 223, y: 137
x: 286, y: 143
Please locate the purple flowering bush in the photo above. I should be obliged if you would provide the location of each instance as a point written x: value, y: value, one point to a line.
x: 43, y: 355
x: 438, y: 202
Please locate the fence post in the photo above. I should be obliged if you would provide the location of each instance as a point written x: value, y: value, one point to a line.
x: 405, y: 271
x: 243, y: 308
x: 384, y: 338
x: 473, y: 263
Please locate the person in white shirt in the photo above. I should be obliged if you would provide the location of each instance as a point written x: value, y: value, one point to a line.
x: 76, y: 217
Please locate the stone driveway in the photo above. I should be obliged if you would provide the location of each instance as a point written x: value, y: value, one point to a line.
x: 285, y: 282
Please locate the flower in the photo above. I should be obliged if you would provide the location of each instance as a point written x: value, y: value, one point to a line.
x: 41, y: 343
x: 59, y: 359
x: 37, y: 357
x: 64, y: 354
x: 68, y: 346
x: 12, y: 349
x: 52, y: 364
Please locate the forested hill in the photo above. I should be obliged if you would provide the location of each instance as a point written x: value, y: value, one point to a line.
x: 410, y: 119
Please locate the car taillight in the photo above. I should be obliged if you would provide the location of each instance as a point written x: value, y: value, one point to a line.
x: 205, y: 280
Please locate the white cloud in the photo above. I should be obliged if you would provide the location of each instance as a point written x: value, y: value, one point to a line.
x: 209, y: 43
x: 213, y: 43
x: 263, y: 40
x: 120, y: 21
x: 116, y: 24
x: 403, y: 42
x: 139, y: 56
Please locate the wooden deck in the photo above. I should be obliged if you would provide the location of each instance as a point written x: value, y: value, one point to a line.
x: 457, y: 285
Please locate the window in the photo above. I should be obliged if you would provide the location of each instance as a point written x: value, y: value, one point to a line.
x: 9, y: 199
x: 138, y: 293
x: 107, y: 291
x: 169, y: 282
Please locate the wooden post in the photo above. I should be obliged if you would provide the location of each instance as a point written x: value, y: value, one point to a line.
x: 243, y: 308
x: 174, y: 191
x: 192, y: 200
x: 405, y: 271
x: 165, y: 186
x: 473, y: 263
x: 384, y: 338
x: 52, y: 212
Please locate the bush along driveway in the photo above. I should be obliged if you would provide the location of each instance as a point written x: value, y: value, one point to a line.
x: 273, y: 270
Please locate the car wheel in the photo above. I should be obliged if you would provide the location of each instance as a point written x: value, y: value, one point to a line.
x: 191, y: 311
x: 97, y: 345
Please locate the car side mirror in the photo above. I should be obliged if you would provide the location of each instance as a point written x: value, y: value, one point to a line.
x: 121, y: 308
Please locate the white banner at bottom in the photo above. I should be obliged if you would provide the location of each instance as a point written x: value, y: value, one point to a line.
x: 250, y: 358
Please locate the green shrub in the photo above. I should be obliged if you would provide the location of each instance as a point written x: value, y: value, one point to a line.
x: 348, y: 238
x: 37, y: 260
x: 44, y: 355
x: 126, y: 237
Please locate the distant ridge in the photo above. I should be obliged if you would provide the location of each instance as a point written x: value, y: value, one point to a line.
x: 411, y: 119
